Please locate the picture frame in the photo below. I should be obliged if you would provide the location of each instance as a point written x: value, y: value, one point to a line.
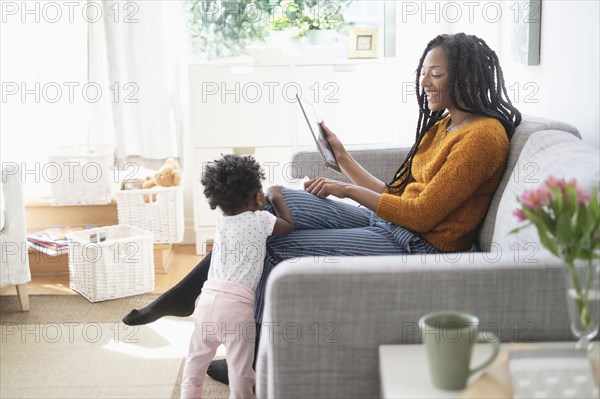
x: 363, y: 42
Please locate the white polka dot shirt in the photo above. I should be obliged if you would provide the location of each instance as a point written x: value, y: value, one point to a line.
x: 239, y: 247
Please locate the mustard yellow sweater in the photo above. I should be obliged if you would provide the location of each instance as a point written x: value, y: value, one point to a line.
x: 454, y: 177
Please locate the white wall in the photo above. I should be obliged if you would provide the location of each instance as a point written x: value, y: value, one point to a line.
x: 565, y: 86
x: 569, y: 71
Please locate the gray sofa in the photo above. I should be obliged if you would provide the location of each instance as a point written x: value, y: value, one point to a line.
x: 325, y: 318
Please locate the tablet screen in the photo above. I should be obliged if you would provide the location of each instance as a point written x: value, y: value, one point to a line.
x: 313, y: 120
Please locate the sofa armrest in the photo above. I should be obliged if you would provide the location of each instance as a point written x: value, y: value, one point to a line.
x: 380, y: 162
x: 325, y: 318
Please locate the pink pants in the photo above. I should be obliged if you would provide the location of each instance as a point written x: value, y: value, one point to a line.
x: 225, y: 315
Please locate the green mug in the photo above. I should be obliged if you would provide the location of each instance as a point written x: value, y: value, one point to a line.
x: 449, y: 338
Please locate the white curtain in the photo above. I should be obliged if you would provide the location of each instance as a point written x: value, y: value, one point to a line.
x: 135, y: 57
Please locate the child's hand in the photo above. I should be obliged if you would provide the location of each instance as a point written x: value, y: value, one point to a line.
x: 274, y: 191
x: 285, y: 223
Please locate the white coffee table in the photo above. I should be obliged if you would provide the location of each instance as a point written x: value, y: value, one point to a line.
x: 405, y: 374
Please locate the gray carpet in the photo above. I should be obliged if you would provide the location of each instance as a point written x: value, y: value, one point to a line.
x: 69, y: 308
x: 67, y: 347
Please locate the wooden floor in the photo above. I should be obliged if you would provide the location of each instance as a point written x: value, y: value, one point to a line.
x: 183, y: 260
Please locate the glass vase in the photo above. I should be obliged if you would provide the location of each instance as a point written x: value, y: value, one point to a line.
x: 583, y: 300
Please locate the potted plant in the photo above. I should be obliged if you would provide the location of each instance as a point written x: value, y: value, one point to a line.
x: 319, y: 21
x: 220, y: 29
x: 568, y: 224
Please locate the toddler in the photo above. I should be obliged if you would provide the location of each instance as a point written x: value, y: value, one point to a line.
x: 225, y: 312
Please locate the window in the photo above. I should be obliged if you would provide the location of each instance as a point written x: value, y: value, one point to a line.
x: 221, y: 29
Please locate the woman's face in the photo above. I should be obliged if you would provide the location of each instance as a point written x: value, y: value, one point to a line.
x: 434, y: 80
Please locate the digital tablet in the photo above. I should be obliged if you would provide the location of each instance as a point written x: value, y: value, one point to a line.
x: 313, y: 120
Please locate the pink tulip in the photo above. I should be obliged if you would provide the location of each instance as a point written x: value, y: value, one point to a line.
x: 552, y: 181
x: 573, y: 182
x: 532, y: 199
x: 583, y: 198
x: 544, y: 194
x: 520, y: 214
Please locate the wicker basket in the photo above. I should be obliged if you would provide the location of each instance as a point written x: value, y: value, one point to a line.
x: 84, y: 175
x: 121, y: 265
x: 157, y: 209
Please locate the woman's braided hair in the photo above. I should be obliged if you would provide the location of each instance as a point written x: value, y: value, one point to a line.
x: 232, y: 182
x: 473, y: 68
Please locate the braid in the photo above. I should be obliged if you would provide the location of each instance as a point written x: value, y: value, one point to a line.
x: 425, y: 122
x: 474, y: 69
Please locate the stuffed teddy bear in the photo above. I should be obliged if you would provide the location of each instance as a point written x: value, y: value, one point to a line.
x: 167, y: 176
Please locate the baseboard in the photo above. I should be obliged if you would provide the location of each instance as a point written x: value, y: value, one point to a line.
x: 204, y: 239
x: 189, y: 234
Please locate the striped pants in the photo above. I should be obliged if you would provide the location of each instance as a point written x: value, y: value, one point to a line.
x: 324, y: 227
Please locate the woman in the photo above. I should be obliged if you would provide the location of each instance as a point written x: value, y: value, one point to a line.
x: 437, y: 198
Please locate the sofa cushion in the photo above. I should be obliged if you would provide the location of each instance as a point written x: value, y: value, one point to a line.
x: 528, y: 126
x: 381, y: 162
x: 546, y: 153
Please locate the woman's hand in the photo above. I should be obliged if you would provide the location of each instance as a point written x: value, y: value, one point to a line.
x: 323, y: 188
x: 336, y: 145
x: 357, y: 174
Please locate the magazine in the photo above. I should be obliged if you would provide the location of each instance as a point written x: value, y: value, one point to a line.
x: 552, y: 373
x: 53, y: 240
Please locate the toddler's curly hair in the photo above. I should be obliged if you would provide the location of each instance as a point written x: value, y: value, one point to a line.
x: 232, y: 182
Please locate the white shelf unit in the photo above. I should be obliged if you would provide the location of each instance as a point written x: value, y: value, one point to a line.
x: 251, y: 108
